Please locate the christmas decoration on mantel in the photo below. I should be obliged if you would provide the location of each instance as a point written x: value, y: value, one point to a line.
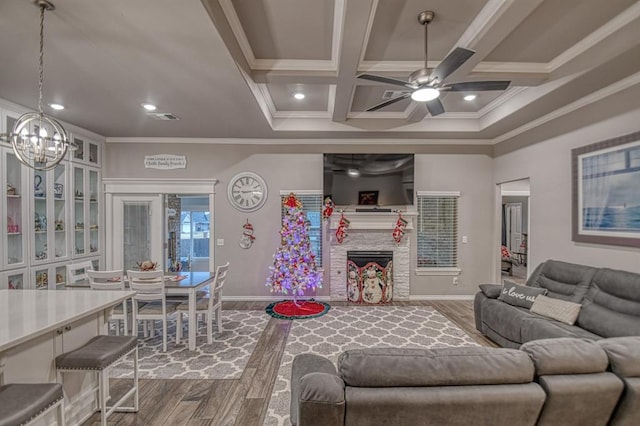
x: 398, y: 230
x: 294, y: 267
x: 343, y: 225
x: 328, y: 208
x: 247, y: 238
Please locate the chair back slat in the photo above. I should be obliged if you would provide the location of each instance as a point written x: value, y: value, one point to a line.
x: 106, y: 280
x: 218, y: 282
x: 78, y: 271
x: 148, y: 285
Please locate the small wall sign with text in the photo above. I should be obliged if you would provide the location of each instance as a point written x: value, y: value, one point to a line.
x: 165, y: 161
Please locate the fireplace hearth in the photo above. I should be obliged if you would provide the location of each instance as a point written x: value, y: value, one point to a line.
x: 370, y: 277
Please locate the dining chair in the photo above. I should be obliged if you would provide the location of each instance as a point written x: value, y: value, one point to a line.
x: 113, y: 280
x: 78, y: 271
x: 210, y: 306
x: 149, y: 288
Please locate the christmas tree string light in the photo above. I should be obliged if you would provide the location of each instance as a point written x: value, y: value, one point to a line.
x: 294, y: 267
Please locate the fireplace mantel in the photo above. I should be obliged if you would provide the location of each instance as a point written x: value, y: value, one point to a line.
x: 372, y: 220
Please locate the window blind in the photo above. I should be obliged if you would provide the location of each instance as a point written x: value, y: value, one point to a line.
x: 312, y: 208
x: 437, y: 236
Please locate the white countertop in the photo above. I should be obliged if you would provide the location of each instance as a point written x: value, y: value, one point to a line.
x: 25, y: 314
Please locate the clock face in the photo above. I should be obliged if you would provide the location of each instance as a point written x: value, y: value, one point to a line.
x: 247, y: 191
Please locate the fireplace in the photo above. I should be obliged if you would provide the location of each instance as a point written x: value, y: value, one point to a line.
x: 370, y: 277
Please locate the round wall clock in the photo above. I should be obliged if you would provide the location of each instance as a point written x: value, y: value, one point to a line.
x: 247, y: 191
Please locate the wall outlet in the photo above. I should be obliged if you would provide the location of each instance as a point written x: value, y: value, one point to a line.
x: 220, y: 242
x: 456, y: 280
x: 465, y: 240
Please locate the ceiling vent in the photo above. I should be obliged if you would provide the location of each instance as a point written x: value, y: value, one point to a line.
x: 390, y: 94
x: 163, y: 116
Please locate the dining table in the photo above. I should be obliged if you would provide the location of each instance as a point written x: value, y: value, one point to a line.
x: 180, y: 284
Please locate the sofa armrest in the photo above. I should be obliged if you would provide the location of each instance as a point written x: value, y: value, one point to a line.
x: 321, y: 400
x: 492, y: 291
x: 304, y: 364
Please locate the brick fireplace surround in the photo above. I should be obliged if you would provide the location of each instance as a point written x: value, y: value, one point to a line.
x: 371, y: 231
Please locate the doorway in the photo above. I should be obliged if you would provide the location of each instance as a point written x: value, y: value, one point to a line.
x: 137, y: 223
x: 514, y: 230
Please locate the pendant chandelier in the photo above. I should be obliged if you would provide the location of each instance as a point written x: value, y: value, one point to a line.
x: 38, y: 140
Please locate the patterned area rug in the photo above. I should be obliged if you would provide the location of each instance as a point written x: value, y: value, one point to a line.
x: 225, y: 358
x: 359, y: 327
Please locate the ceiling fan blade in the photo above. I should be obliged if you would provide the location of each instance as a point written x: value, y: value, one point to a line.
x: 477, y: 86
x: 386, y: 80
x: 435, y: 107
x: 389, y: 102
x: 452, y: 62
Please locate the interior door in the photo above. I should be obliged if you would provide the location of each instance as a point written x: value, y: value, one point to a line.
x: 137, y: 230
x: 513, y: 212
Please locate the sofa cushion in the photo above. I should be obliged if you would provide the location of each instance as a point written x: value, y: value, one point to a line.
x: 459, y: 366
x: 304, y: 364
x: 492, y: 291
x: 537, y: 327
x: 520, y: 295
x: 624, y: 355
x: 504, y: 319
x: 566, y: 356
x: 566, y: 281
x: 559, y: 310
x: 612, y: 304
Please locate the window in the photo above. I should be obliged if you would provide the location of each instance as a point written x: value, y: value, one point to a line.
x: 312, y: 207
x: 438, y: 232
x: 194, y: 234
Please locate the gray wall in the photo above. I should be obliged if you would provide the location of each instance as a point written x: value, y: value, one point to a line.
x: 548, y: 165
x: 291, y: 167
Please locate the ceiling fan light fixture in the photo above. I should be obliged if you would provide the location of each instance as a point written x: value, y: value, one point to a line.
x: 425, y: 94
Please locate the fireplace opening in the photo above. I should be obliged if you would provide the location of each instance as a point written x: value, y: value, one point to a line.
x: 370, y: 277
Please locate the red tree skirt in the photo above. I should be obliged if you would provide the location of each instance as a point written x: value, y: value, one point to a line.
x: 286, y: 309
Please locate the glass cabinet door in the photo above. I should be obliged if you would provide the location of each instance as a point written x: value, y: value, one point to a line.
x: 50, y: 219
x: 14, y: 179
x: 14, y: 280
x: 49, y: 277
x: 78, y: 210
x: 86, y: 211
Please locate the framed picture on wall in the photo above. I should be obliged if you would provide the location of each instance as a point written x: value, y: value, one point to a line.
x: 367, y: 198
x: 606, y: 192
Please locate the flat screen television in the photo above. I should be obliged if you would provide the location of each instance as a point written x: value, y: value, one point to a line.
x: 369, y: 180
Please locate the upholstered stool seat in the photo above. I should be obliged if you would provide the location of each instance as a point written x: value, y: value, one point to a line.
x: 98, y: 355
x: 21, y: 402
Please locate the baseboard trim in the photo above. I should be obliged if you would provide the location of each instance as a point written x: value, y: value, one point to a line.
x: 442, y: 297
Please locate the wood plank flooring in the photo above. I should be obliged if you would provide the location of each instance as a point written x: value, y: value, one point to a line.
x: 243, y: 401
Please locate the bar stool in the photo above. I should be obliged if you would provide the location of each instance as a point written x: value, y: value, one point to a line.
x: 98, y: 355
x: 22, y: 403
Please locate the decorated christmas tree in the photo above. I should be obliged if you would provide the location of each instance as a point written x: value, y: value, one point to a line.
x: 294, y: 267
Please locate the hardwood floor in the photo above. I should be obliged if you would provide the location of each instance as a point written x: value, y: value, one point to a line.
x: 242, y: 401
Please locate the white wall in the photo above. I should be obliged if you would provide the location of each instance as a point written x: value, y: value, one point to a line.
x: 548, y: 165
x: 300, y: 168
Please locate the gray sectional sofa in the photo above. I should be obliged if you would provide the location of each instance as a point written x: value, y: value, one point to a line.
x: 609, y: 299
x: 564, y: 381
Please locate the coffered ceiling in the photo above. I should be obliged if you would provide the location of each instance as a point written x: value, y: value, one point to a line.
x: 229, y: 68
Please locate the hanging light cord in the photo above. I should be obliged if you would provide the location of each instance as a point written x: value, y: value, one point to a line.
x: 40, y: 81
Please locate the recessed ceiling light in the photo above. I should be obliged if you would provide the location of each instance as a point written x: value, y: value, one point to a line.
x: 469, y: 97
x: 57, y: 107
x: 149, y: 107
x: 299, y: 96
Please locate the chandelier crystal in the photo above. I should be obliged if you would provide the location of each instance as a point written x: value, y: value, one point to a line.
x: 38, y: 140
